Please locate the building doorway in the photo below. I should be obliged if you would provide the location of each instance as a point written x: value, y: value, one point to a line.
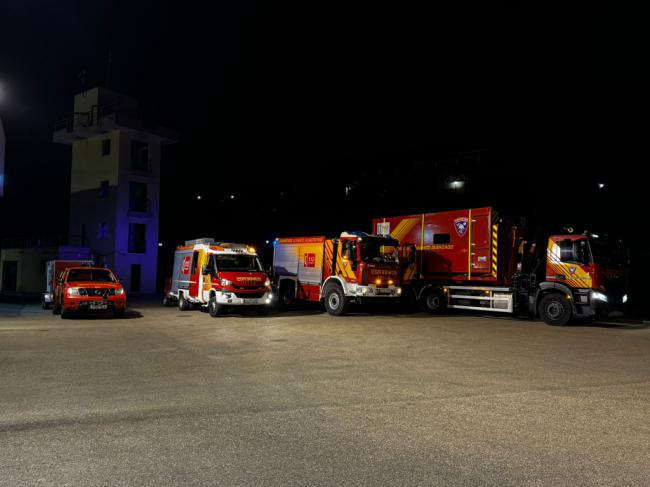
x: 10, y: 275
x: 136, y: 271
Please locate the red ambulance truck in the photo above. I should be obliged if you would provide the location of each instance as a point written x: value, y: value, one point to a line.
x: 473, y: 259
x: 355, y: 268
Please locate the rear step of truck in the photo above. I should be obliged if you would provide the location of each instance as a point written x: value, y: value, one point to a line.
x: 499, y: 299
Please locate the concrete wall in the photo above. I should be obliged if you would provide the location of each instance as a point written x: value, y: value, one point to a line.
x: 31, y: 267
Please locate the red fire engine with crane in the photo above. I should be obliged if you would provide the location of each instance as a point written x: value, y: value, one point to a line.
x: 218, y: 275
x: 355, y: 268
x: 472, y: 259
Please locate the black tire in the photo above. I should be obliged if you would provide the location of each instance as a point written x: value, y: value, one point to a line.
x: 56, y: 308
x: 65, y: 314
x: 183, y: 304
x: 45, y: 304
x: 555, y: 310
x: 336, y: 303
x: 432, y: 301
x: 118, y: 313
x: 287, y: 296
x: 167, y: 301
x: 214, y: 308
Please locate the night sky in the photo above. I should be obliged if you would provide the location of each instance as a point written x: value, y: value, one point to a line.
x: 286, y: 106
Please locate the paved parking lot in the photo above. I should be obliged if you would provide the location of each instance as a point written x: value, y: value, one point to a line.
x: 302, y: 398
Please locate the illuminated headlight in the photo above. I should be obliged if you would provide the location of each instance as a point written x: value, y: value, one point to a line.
x: 624, y: 298
x: 267, y: 282
x: 226, y: 282
x: 596, y: 296
x: 390, y: 282
x: 365, y: 290
x: 268, y: 300
x: 73, y: 291
x: 119, y: 291
x: 270, y: 297
x: 398, y: 291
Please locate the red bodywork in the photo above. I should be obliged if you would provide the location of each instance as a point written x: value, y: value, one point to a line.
x: 111, y: 293
x: 58, y: 266
x: 443, y: 241
x: 312, y: 260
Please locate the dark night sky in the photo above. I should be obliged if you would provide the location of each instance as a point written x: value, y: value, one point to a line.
x: 284, y: 106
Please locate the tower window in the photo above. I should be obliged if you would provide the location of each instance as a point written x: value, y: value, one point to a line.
x: 138, y: 197
x: 137, y: 238
x: 102, y: 231
x: 139, y: 156
x: 106, y: 147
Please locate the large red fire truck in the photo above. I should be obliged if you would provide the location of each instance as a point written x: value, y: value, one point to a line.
x: 473, y: 259
x: 354, y: 268
x: 218, y: 275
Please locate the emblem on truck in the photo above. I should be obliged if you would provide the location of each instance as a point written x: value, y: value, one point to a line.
x: 310, y: 260
x: 461, y: 225
x: 186, y: 264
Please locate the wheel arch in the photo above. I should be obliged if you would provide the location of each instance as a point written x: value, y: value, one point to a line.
x: 546, y: 288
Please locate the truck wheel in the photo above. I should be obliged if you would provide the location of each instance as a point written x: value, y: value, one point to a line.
x: 183, y: 304
x: 166, y: 301
x: 214, y: 308
x: 45, y: 304
x: 287, y: 296
x: 56, y: 308
x: 336, y: 303
x: 555, y: 309
x: 432, y: 301
x: 65, y: 314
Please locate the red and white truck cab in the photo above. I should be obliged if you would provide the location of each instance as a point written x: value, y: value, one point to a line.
x: 354, y: 268
x: 218, y: 275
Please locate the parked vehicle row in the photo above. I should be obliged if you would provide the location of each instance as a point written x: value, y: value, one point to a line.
x: 472, y: 259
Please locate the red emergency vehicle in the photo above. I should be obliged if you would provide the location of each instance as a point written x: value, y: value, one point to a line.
x: 354, y: 268
x: 218, y: 275
x: 53, y: 271
x: 473, y: 259
x: 88, y: 289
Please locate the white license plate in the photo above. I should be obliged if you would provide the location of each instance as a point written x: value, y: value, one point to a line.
x: 250, y: 301
x: 97, y: 305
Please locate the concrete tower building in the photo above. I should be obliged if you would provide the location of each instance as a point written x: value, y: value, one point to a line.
x: 115, y: 184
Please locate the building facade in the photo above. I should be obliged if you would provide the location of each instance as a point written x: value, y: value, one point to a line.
x: 3, y: 142
x: 115, y: 184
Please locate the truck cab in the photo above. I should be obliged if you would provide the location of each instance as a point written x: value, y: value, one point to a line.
x: 585, y: 276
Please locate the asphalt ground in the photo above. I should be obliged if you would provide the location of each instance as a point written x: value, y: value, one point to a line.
x: 302, y: 398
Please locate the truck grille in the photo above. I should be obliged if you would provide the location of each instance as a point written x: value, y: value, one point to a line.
x: 96, y: 292
x: 256, y: 295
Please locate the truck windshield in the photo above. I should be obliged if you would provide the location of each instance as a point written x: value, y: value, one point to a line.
x: 238, y: 263
x: 97, y: 275
x: 379, y: 250
x: 609, y: 252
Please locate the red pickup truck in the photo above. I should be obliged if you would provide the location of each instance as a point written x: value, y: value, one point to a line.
x: 89, y: 289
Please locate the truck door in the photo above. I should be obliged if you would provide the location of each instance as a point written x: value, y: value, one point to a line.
x: 481, y: 238
x: 194, y: 275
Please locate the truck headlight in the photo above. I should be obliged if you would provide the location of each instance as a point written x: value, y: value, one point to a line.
x: 119, y: 291
x: 365, y: 290
x: 624, y: 298
x: 73, y: 291
x: 596, y: 296
x: 267, y: 282
x: 226, y: 282
x: 398, y: 291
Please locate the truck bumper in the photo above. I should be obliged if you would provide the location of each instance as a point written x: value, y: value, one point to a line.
x: 372, y: 291
x: 231, y: 299
x: 601, y: 305
x: 99, y: 305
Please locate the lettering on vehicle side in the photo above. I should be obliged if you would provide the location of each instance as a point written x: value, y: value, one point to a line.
x: 249, y: 279
x: 383, y: 272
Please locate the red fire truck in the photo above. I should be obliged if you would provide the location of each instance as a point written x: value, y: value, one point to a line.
x: 354, y: 268
x: 218, y: 275
x: 475, y: 260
